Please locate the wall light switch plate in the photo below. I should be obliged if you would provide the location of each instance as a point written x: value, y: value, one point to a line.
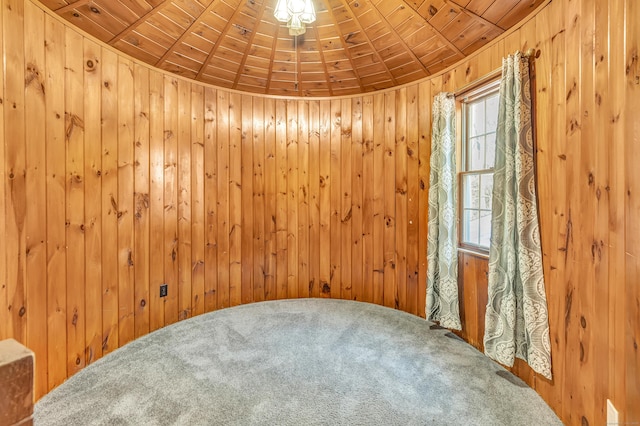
x: 163, y: 290
x: 612, y: 414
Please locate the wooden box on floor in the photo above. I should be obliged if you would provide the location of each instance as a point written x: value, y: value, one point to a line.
x: 16, y: 384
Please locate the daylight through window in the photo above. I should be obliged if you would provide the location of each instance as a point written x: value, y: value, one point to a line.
x: 480, y: 118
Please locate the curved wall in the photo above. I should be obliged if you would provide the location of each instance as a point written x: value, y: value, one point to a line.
x: 118, y: 178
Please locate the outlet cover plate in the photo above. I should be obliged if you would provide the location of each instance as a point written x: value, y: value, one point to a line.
x: 164, y: 290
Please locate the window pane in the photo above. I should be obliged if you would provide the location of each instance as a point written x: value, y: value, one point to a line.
x: 479, y: 145
x: 492, y: 113
x: 490, y: 148
x: 475, y: 153
x: 471, y: 188
x: 485, y: 228
x: 471, y: 227
x: 476, y: 118
x: 486, y: 188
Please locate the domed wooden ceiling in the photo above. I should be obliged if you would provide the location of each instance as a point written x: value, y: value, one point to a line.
x: 354, y: 46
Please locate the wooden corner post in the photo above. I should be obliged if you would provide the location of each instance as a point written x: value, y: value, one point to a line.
x: 16, y: 384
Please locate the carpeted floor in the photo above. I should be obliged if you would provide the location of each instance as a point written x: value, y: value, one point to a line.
x: 296, y: 362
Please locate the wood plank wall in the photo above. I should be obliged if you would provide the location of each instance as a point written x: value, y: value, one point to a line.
x: 587, y: 83
x: 117, y: 177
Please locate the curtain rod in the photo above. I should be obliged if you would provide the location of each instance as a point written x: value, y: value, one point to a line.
x: 531, y: 54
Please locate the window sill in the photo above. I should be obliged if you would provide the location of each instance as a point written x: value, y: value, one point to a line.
x: 477, y: 253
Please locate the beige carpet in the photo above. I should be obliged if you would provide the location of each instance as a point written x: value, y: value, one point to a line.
x: 296, y: 362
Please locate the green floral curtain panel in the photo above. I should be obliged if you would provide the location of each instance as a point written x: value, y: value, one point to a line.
x: 442, y: 253
x: 517, y: 317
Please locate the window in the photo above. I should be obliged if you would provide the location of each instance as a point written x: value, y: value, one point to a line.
x: 479, y: 123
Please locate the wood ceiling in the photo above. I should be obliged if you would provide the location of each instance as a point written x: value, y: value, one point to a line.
x: 354, y: 46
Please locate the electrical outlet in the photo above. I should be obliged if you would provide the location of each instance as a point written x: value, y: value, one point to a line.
x: 164, y: 290
x: 612, y: 414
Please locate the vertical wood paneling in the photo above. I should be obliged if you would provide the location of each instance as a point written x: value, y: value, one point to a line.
x: 314, y: 199
x: 156, y: 199
x: 584, y: 163
x: 325, y: 199
x: 109, y: 107
x: 56, y: 236
x: 184, y: 200
x: 170, y: 242
x: 35, y: 228
x: 400, y: 201
x: 335, y: 258
x: 545, y: 158
x: 210, y: 201
x: 413, y: 197
x: 93, y: 197
x: 228, y: 198
x: 281, y: 198
x: 600, y: 258
x: 125, y: 207
x: 292, y: 198
x: 197, y: 201
x: 470, y: 268
x: 248, y: 166
x: 560, y: 229
x: 357, y: 283
x: 424, y: 146
x: 303, y: 200
x: 4, y: 313
x: 15, y: 168
x: 379, y: 222
x: 618, y: 195
x: 235, y: 199
x: 74, y: 133
x: 570, y: 148
x: 632, y: 131
x: 223, y: 198
x: 270, y: 251
x: 345, y: 209
x: 141, y: 200
x: 368, y: 176
x: 592, y: 322
x: 389, y: 185
x: 258, y: 260
x: 556, y: 154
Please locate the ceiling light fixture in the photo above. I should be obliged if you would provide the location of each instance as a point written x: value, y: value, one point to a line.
x: 296, y: 13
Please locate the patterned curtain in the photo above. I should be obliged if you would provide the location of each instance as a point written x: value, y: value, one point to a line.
x: 517, y: 318
x: 442, y: 253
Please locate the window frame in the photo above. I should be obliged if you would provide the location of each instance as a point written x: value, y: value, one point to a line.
x: 483, y: 88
